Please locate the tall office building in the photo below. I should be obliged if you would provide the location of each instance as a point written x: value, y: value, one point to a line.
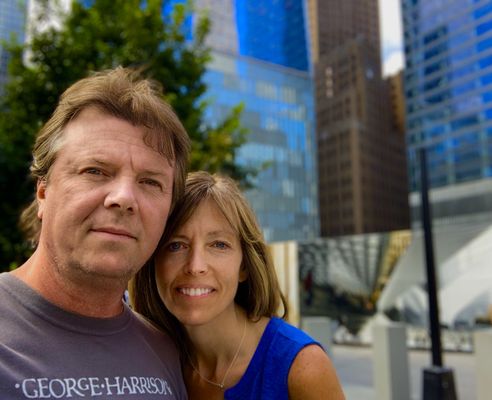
x: 361, y: 158
x: 448, y: 84
x: 397, y: 102
x: 12, y: 22
x: 260, y: 58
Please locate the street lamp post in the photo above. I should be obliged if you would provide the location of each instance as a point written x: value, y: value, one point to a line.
x: 438, y: 381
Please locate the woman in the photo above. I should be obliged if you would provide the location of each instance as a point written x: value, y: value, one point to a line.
x: 212, y: 287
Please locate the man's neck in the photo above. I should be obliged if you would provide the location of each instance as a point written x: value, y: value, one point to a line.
x: 91, y: 299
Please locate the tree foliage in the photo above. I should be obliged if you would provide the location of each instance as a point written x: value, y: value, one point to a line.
x: 102, y: 35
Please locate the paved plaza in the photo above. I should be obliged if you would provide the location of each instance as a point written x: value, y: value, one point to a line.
x: 355, y: 369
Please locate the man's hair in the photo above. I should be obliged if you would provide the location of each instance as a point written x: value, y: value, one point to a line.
x: 259, y: 295
x: 122, y: 93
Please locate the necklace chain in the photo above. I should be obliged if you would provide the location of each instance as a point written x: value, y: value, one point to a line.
x: 221, y: 385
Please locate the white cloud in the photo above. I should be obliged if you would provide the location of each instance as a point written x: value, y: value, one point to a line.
x: 393, y: 63
x: 391, y: 35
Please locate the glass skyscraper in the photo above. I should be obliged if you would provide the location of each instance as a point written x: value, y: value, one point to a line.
x: 273, y: 31
x: 12, y: 22
x: 260, y: 58
x: 448, y: 90
x: 279, y: 115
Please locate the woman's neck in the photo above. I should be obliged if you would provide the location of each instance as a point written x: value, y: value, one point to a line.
x: 218, y: 340
x: 221, y: 352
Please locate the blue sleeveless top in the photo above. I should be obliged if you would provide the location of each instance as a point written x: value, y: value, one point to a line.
x: 267, y: 373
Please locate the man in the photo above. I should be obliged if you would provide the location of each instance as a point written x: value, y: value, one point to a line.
x: 109, y: 164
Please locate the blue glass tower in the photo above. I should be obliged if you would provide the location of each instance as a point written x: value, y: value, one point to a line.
x: 273, y: 31
x: 12, y: 22
x: 279, y: 115
x: 260, y: 58
x: 448, y: 90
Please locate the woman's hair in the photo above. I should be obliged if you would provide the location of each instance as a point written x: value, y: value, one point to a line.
x: 122, y: 93
x: 259, y: 295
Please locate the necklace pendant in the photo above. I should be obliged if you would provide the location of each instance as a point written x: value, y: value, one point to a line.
x: 221, y: 386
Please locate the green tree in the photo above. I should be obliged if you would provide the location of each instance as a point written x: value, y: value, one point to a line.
x: 90, y: 38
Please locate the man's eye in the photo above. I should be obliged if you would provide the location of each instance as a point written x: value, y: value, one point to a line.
x: 93, y: 171
x: 152, y: 182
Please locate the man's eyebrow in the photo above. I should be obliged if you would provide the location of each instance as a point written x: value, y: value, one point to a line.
x: 222, y: 232
x: 97, y: 161
x: 151, y: 172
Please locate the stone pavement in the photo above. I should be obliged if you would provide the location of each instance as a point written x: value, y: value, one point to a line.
x: 354, y: 368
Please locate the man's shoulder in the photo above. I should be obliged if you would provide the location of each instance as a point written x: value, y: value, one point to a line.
x: 147, y: 326
x: 12, y: 288
x: 153, y: 336
x: 5, y: 276
x: 144, y: 322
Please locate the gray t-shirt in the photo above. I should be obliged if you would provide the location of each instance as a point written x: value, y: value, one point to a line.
x: 49, y: 353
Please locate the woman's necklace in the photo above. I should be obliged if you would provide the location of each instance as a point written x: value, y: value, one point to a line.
x: 221, y: 385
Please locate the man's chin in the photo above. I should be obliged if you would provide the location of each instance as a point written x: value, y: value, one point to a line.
x: 114, y: 268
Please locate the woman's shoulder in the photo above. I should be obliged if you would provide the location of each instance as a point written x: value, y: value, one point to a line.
x: 312, y: 376
x: 291, y: 333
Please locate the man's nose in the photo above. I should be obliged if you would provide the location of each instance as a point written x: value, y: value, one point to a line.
x: 196, y: 264
x: 122, y: 195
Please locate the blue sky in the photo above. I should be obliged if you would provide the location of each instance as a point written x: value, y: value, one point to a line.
x: 391, y: 36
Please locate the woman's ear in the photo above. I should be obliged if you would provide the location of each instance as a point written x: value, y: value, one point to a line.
x: 243, y: 274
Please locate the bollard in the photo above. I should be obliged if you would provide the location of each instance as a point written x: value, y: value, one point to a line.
x: 391, y: 376
x: 483, y: 351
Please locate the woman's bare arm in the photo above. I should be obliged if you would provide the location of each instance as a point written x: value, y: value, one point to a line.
x: 313, y: 377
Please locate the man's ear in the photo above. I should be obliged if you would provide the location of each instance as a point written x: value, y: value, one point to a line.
x: 41, y: 196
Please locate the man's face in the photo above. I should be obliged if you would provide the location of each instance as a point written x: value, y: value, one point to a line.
x: 106, y: 200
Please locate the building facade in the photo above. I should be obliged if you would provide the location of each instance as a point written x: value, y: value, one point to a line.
x: 361, y: 157
x: 260, y: 59
x: 397, y: 103
x: 12, y: 24
x: 448, y: 90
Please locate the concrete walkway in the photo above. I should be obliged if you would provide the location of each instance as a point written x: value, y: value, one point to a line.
x: 355, y: 370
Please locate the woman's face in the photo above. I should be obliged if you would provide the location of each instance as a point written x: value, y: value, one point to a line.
x: 198, y: 270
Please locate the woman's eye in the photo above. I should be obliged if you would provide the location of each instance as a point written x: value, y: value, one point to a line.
x: 221, y: 245
x: 174, y: 246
